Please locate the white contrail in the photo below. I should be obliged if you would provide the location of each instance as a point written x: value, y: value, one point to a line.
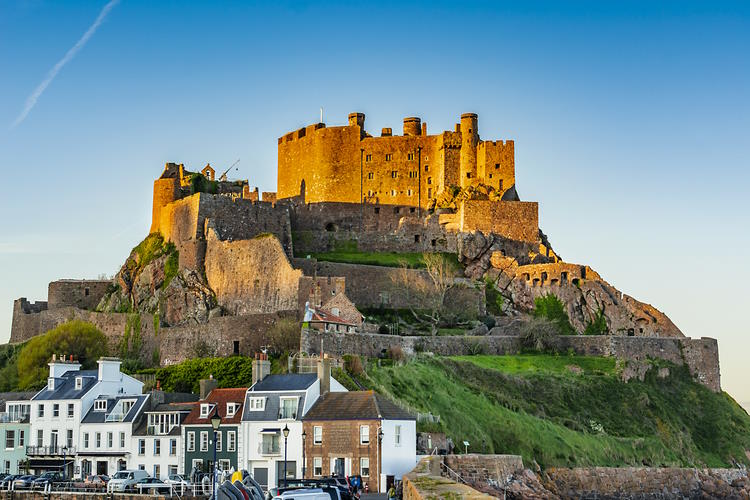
x: 31, y: 101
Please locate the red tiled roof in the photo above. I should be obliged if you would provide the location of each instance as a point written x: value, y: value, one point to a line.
x: 323, y: 316
x: 356, y: 405
x: 219, y: 398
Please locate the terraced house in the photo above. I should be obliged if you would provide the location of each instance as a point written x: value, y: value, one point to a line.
x: 198, y: 434
x: 14, y: 433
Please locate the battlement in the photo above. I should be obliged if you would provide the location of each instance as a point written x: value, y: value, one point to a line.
x: 555, y: 274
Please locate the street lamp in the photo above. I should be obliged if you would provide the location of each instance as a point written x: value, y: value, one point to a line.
x: 380, y: 455
x: 64, y: 450
x: 286, y: 435
x: 215, y: 423
x: 304, y: 463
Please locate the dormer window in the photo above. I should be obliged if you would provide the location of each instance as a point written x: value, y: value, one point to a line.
x: 257, y: 404
x: 79, y: 383
x: 51, y: 384
x: 100, y: 405
x: 205, y: 410
x: 231, y: 409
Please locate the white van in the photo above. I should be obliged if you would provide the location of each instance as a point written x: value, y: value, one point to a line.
x: 124, y: 480
x: 309, y: 494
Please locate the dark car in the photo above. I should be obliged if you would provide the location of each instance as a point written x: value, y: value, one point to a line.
x: 8, y: 480
x: 23, y: 482
x: 47, y: 478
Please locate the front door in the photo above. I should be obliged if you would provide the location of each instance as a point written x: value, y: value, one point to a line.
x: 260, y: 474
x: 101, y: 467
x: 291, y: 471
x: 339, y: 465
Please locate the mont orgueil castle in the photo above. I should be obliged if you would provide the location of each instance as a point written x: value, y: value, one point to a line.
x: 226, y: 264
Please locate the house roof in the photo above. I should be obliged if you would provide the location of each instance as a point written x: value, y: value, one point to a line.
x: 323, y: 316
x: 356, y: 405
x: 6, y: 397
x: 65, y: 386
x: 285, y: 382
x: 219, y: 398
x: 100, y: 417
x: 272, y: 405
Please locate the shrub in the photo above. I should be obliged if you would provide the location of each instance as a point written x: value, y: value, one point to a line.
x: 353, y: 365
x: 597, y: 326
x: 538, y: 334
x: 396, y: 353
x: 283, y: 336
x: 384, y: 330
x: 550, y: 307
x: 493, y: 299
x: 488, y: 321
x: 82, y: 340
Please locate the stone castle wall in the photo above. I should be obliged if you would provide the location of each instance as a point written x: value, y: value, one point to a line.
x: 700, y: 355
x: 515, y: 220
x: 556, y: 273
x: 84, y: 294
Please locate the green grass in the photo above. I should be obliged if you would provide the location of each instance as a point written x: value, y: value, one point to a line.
x: 535, y: 406
x: 386, y: 259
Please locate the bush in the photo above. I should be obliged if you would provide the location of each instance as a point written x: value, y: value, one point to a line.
x: 597, y: 326
x: 234, y: 371
x: 82, y: 340
x: 384, y: 330
x: 283, y: 336
x: 488, y: 321
x: 353, y: 364
x: 538, y: 334
x: 396, y: 353
x: 550, y: 307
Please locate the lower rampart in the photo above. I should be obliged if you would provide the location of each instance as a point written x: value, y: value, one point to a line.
x: 699, y: 355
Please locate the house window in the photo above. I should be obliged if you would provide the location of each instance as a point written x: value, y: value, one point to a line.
x: 224, y: 464
x: 7, y: 467
x: 79, y: 383
x: 270, y: 444
x: 141, y: 467
x: 98, y: 439
x: 205, y: 409
x: 364, y: 434
x: 410, y: 156
x: 204, y: 441
x: 172, y: 470
x: 231, y: 409
x: 370, y: 176
x: 141, y: 446
x: 126, y: 406
x: 40, y: 411
x: 55, y: 410
x: 51, y: 384
x: 69, y: 438
x: 388, y: 157
x: 39, y: 438
x: 191, y: 441
x: 394, y: 174
x: 317, y: 434
x: 288, y: 408
x: 364, y: 467
x: 318, y: 466
x: 219, y: 440
x: 172, y: 447
x: 257, y: 404
x: 10, y: 440
x: 21, y: 438
x: 397, y: 436
x: 70, y: 410
x: 368, y: 157
x: 100, y: 405
x: 122, y: 440
x: 157, y: 447
x: 157, y: 471
x: 109, y: 440
x: 231, y: 441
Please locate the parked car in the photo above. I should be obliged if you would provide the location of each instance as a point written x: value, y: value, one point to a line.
x: 179, y: 482
x: 52, y: 477
x: 7, y: 481
x: 23, y: 482
x: 324, y: 493
x: 152, y: 485
x: 96, y: 482
x: 124, y: 480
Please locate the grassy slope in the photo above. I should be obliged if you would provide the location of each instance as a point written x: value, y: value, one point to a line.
x: 537, y: 407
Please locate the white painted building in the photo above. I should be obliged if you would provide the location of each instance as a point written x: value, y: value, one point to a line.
x: 157, y: 445
x: 272, y: 403
x: 57, y: 410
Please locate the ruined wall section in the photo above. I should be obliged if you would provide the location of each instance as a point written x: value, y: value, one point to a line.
x: 26, y: 319
x: 84, y: 294
x: 516, y: 220
x: 496, y: 164
x: 318, y: 290
x: 251, y: 276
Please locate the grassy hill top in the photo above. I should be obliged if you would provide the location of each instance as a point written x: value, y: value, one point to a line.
x: 570, y: 410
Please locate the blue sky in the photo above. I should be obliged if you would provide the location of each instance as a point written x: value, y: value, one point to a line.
x: 631, y: 123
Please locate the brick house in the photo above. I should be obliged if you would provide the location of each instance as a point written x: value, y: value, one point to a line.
x: 350, y: 433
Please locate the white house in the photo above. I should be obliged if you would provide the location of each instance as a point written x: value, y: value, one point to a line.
x: 57, y: 410
x: 106, y: 431
x: 273, y: 403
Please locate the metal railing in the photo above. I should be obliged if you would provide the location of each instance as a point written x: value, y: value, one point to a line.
x: 50, y: 450
x: 269, y: 449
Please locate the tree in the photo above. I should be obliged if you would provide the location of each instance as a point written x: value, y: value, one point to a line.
x: 550, y: 307
x: 85, y: 342
x: 538, y: 334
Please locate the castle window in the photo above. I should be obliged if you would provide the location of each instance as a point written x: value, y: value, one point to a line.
x: 433, y: 243
x: 86, y: 291
x: 429, y: 180
x: 468, y: 175
x: 410, y: 156
x: 544, y: 277
x: 236, y: 346
x: 408, y: 192
x: 394, y: 174
x: 412, y: 210
x: 393, y: 192
x: 526, y: 276
x: 370, y: 175
x: 497, y: 165
x: 490, y: 176
x: 368, y: 157
x: 395, y: 210
x: 331, y: 227
x: 426, y: 157
x: 426, y: 168
x: 413, y: 174
x: 369, y: 193
x: 429, y: 192
x: 416, y: 238
x: 388, y: 157
x: 500, y: 184
x: 564, y: 277
x: 377, y: 210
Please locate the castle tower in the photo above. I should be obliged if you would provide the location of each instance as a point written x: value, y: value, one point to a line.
x: 412, y: 125
x: 166, y: 190
x: 469, y: 141
x: 358, y: 119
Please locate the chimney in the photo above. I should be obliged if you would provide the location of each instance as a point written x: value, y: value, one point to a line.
x: 109, y: 370
x: 261, y: 367
x: 57, y: 367
x: 207, y: 385
x: 424, y: 128
x: 324, y: 374
x: 386, y: 132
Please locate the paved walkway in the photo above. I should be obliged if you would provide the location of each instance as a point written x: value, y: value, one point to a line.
x: 374, y: 496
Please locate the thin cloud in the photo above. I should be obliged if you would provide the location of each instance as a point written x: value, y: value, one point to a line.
x: 34, y: 97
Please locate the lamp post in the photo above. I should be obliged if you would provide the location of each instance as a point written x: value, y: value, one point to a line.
x: 286, y: 435
x: 215, y: 423
x: 304, y: 442
x: 380, y: 457
x: 64, y: 450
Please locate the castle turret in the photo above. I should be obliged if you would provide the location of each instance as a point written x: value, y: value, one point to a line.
x: 469, y: 141
x: 357, y: 119
x: 412, y: 125
x: 166, y: 190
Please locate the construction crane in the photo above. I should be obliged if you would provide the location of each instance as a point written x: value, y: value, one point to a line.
x: 223, y: 177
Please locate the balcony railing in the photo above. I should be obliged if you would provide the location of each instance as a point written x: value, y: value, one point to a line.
x: 50, y: 450
x: 6, y: 418
x: 269, y: 449
x: 287, y: 415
